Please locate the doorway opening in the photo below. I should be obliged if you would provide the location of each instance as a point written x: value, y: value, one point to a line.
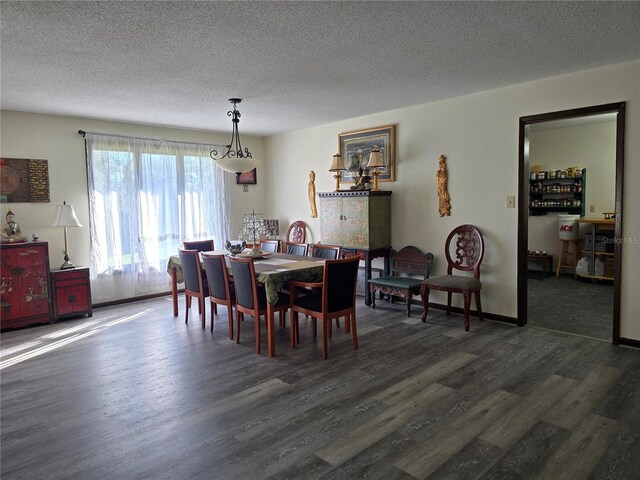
x: 570, y: 178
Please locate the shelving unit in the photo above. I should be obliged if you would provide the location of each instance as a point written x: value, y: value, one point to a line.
x: 558, y: 194
x: 597, y: 226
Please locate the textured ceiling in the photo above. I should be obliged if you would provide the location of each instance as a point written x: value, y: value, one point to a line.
x: 294, y: 64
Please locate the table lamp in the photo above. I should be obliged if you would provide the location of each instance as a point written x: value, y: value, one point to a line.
x: 66, y: 217
x: 337, y: 166
x: 375, y: 162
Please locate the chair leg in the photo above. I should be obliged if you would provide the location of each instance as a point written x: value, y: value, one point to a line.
x: 294, y: 328
x: 325, y: 332
x: 347, y: 324
x: 203, y: 312
x: 354, y: 333
x: 239, y: 318
x: 448, y: 303
x: 257, y: 328
x: 478, y: 306
x: 467, y: 301
x: 373, y: 297
x: 213, y: 313
x: 408, y: 296
x: 424, y: 294
x: 188, y: 306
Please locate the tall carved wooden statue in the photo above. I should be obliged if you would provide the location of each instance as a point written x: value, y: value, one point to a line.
x: 441, y: 181
x: 312, y: 194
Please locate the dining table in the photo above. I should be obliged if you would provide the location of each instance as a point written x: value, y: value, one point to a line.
x: 274, y: 270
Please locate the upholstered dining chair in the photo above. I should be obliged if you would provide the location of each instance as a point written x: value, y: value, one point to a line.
x: 221, y: 291
x: 199, y: 245
x: 194, y: 286
x: 297, y: 232
x: 270, y: 245
x: 464, y: 250
x: 294, y: 248
x: 335, y: 297
x: 330, y: 252
x: 250, y: 299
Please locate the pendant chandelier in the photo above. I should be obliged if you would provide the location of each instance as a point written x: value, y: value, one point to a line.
x: 235, y: 159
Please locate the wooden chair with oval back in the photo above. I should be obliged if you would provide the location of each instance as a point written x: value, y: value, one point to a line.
x: 250, y: 299
x: 194, y: 286
x: 221, y: 291
x: 464, y: 250
x: 297, y: 232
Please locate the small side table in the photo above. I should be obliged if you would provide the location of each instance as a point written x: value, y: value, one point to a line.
x: 545, y: 260
x: 70, y: 292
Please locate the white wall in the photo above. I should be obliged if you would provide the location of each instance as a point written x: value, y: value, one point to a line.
x: 591, y: 146
x: 479, y: 135
x: 56, y: 139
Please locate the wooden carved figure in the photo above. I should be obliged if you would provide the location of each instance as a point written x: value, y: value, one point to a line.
x: 312, y: 194
x: 441, y: 182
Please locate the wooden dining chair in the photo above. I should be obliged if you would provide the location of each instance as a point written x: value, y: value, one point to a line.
x: 330, y: 252
x: 270, y: 245
x: 250, y: 299
x: 335, y: 297
x: 221, y: 290
x: 294, y: 248
x: 464, y: 249
x: 199, y: 245
x: 194, y: 286
x: 297, y: 232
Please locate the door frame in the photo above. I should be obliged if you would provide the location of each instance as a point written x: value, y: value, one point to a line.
x: 523, y: 204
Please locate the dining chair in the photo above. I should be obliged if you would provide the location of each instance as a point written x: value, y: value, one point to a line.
x: 270, y: 245
x: 464, y: 249
x: 221, y: 291
x: 194, y: 286
x: 199, y: 245
x: 335, y: 297
x: 297, y: 232
x: 250, y: 298
x: 330, y: 252
x: 294, y: 248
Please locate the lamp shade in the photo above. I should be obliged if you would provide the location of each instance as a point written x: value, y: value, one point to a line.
x: 65, y: 216
x: 375, y: 159
x: 337, y: 164
x: 236, y: 165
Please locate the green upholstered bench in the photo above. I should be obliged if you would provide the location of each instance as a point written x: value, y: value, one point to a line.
x: 410, y: 267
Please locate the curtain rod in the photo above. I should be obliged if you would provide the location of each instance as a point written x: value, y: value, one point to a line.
x: 83, y: 133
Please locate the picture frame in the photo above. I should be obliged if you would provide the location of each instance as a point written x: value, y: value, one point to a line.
x: 247, y: 178
x: 356, y: 146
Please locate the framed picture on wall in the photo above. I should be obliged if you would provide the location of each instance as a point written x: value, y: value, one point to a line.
x: 355, y: 148
x: 247, y: 178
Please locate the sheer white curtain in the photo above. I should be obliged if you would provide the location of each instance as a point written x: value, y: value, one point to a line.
x: 145, y: 198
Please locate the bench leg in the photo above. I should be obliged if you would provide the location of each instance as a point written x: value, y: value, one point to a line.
x: 408, y: 296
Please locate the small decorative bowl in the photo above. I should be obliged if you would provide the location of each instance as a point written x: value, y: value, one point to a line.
x: 235, y: 248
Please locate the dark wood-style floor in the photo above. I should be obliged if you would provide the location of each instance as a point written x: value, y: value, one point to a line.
x: 134, y: 393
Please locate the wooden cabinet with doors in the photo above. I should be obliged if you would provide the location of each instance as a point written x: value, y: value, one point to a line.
x: 24, y: 293
x: 71, y: 292
x: 360, y: 222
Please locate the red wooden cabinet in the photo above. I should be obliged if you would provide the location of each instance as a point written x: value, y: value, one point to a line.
x: 71, y: 292
x: 24, y: 289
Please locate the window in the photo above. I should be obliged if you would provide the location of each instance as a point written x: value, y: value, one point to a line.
x: 145, y: 198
